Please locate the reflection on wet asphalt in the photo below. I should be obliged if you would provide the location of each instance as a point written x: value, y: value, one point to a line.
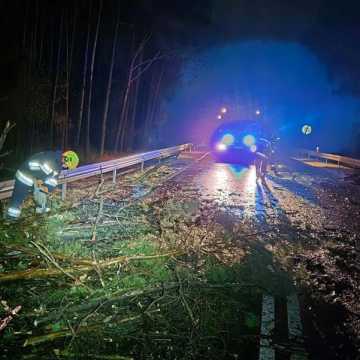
x: 236, y: 191
x: 293, y: 214
x: 232, y: 186
x: 253, y: 208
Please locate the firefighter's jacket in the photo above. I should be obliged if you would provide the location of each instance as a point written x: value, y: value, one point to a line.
x: 45, y: 166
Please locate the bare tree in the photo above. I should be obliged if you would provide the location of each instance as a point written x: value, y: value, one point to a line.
x: 108, y: 91
x: 131, y: 127
x: 153, y: 104
x: 87, y: 139
x: 135, y: 71
x: 55, y: 84
x: 70, y: 39
x: 83, y: 85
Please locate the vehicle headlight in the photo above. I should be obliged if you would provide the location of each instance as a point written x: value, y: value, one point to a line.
x: 221, y: 147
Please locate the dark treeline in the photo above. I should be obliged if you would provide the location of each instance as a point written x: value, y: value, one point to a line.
x: 93, y: 74
x: 89, y: 74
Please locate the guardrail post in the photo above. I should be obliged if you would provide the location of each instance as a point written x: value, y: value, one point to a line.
x: 142, y: 166
x: 114, y: 176
x: 63, y: 191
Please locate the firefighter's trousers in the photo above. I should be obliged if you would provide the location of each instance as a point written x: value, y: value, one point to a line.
x: 20, y: 193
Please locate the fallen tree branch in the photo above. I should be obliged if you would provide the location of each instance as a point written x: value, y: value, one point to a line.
x: 183, y: 300
x: 35, y: 340
x: 101, y: 183
x: 154, y: 187
x: 69, y: 354
x: 105, y: 300
x: 115, y: 298
x: 31, y: 252
x: 4, y: 322
x: 44, y: 273
x: 46, y: 253
x: 98, y: 217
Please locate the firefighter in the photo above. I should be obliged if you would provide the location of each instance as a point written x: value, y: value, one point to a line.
x: 39, y: 175
x: 262, y: 155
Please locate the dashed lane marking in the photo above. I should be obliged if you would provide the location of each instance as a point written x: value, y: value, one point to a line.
x: 267, y: 327
x: 294, y: 320
x: 295, y: 327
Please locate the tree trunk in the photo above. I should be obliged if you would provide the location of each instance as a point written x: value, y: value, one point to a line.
x: 120, y: 127
x: 130, y: 142
x: 32, y: 68
x: 125, y: 124
x: 123, y: 109
x: 145, y: 140
x: 108, y: 91
x: 41, y: 46
x: 66, y: 118
x: 73, y: 35
x: 87, y: 143
x: 51, y: 48
x: 135, y: 71
x: 83, y: 85
x: 57, y: 69
x: 156, y: 99
x: 24, y: 68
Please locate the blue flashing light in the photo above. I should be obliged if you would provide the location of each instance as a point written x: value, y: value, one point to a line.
x: 249, y: 140
x: 228, y: 139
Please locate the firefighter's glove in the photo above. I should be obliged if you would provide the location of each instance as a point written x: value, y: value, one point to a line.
x: 44, y: 189
x: 41, y: 187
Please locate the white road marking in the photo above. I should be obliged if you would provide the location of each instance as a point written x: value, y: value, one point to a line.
x: 267, y: 327
x: 295, y: 326
x: 294, y: 320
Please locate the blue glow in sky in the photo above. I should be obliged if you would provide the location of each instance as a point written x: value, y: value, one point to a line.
x: 285, y: 81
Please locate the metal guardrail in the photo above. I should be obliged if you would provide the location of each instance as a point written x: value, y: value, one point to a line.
x: 82, y: 172
x: 309, y: 154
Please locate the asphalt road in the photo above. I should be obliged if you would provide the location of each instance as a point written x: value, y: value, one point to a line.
x: 296, y: 208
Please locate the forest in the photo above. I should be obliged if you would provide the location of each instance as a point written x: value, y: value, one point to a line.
x: 88, y: 74
x: 94, y: 75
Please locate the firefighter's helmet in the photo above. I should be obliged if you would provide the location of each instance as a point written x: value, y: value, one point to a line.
x: 71, y: 160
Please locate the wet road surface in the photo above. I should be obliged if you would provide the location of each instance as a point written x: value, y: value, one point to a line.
x: 283, y: 209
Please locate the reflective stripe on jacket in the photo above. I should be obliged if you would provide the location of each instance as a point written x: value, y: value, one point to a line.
x: 43, y: 166
x: 25, y: 179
